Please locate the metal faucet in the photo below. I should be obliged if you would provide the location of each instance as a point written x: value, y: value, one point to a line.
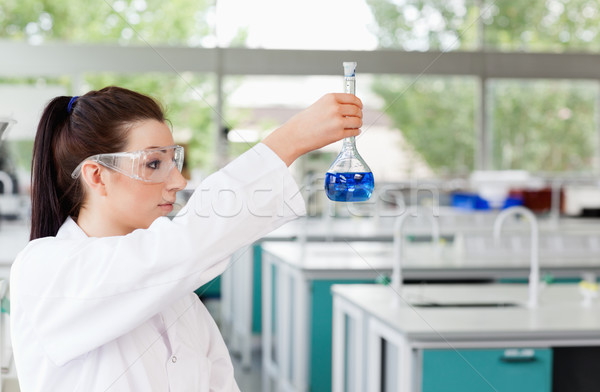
x: 398, y: 247
x: 555, y: 202
x: 534, y: 273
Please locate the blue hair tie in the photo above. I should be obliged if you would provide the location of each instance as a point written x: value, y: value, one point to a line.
x: 71, y: 102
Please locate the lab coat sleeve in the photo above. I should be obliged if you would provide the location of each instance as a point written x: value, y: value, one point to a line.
x: 82, y: 293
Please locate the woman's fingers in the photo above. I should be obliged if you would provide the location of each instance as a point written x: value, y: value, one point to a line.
x: 352, y: 122
x: 351, y: 132
x: 333, y: 117
x: 349, y: 107
x: 350, y: 110
x: 346, y: 98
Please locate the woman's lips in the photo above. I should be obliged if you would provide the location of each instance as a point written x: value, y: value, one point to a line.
x: 166, y: 207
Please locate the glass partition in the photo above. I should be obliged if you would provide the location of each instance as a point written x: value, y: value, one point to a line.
x: 436, y: 119
x: 256, y: 105
x: 308, y: 24
x: 124, y: 22
x: 541, y: 25
x: 423, y: 25
x: 544, y: 125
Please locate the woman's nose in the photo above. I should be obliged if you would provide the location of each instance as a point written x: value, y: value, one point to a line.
x: 176, y: 181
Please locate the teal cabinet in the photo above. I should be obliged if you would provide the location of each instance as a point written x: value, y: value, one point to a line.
x: 211, y: 289
x: 256, y: 288
x: 321, y: 302
x: 481, y: 370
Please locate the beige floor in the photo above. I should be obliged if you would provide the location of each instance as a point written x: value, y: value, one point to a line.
x: 10, y: 385
x: 249, y: 380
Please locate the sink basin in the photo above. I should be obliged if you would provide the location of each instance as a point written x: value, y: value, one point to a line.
x: 465, y: 305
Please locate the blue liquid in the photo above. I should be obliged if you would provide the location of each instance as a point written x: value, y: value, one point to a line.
x: 349, y: 186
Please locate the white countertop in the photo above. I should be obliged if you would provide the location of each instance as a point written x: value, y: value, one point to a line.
x: 317, y: 229
x: 451, y: 221
x: 560, y: 317
x: 420, y: 262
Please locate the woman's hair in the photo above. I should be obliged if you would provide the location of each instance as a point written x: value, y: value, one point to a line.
x: 72, y: 129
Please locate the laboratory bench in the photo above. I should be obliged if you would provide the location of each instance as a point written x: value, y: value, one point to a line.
x: 241, y: 292
x: 464, y: 338
x: 381, y: 229
x: 297, y: 302
x: 240, y: 284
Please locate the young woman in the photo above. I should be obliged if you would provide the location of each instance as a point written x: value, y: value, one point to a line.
x: 102, y: 297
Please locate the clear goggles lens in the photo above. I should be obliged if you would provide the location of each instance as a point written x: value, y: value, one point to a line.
x: 151, y: 165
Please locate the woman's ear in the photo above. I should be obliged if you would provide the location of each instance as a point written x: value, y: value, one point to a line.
x: 92, y: 175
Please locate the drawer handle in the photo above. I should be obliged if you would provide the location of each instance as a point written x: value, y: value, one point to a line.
x: 518, y: 355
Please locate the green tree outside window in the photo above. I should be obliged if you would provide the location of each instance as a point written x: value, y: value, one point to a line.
x: 547, y: 126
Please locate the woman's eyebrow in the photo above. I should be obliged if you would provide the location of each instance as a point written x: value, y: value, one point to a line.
x: 159, y: 148
x: 162, y: 149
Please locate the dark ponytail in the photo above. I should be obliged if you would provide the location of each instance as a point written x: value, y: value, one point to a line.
x: 97, y: 123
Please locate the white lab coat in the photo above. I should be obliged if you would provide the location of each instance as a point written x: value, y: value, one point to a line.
x: 119, y: 313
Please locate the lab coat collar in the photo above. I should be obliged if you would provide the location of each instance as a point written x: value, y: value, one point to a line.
x: 70, y: 230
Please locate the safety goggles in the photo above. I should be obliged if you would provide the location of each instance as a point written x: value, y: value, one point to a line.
x: 150, y: 165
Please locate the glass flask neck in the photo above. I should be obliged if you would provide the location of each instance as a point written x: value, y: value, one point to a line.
x: 349, y: 160
x: 350, y: 85
x: 349, y: 88
x: 349, y: 143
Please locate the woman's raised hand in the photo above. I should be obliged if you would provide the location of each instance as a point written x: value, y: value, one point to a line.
x: 333, y: 117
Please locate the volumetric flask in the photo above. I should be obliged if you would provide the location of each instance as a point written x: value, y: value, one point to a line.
x: 349, y: 178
